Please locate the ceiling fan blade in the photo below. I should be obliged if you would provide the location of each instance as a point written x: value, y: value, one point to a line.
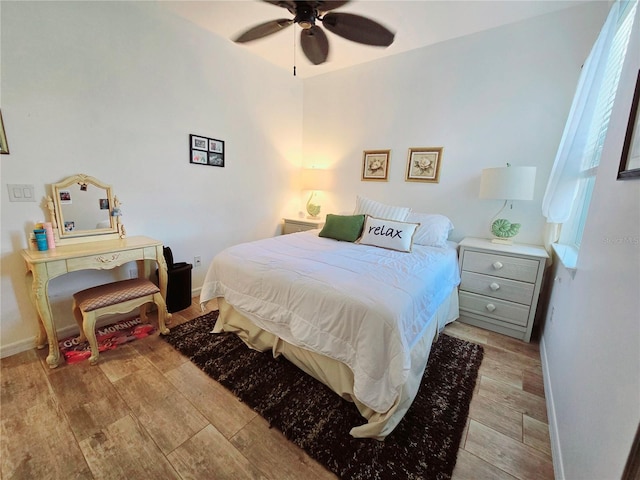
x: 289, y: 5
x: 325, y: 6
x: 315, y: 44
x: 358, y: 29
x: 263, y: 30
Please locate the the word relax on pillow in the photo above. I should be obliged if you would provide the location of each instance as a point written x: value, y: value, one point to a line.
x: 384, y: 233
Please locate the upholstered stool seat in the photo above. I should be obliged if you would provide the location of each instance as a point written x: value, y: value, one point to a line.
x: 115, y: 297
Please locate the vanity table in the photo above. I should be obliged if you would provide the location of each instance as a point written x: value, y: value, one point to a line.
x: 86, y: 220
x: 101, y: 255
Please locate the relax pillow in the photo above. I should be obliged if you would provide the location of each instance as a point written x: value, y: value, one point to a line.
x: 385, y: 233
x: 366, y: 206
x: 433, y: 230
x: 346, y: 228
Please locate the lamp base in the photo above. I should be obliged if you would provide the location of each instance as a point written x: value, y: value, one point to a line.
x: 502, y: 241
x: 503, y: 231
x: 312, y: 209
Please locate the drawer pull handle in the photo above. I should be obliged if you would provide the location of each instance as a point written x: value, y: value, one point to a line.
x: 494, y: 286
x: 497, y: 265
x: 110, y: 259
x: 491, y: 307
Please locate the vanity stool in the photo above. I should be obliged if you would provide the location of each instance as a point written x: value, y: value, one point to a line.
x: 115, y: 297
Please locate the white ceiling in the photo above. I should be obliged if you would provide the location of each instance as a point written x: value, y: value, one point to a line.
x: 417, y: 23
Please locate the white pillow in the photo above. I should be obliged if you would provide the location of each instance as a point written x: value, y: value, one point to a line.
x: 385, y: 233
x: 433, y: 230
x: 366, y: 206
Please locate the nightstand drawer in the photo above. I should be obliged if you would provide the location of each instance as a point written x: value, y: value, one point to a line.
x: 299, y: 225
x: 496, y: 287
x: 296, y: 227
x: 510, y: 312
x: 515, y: 268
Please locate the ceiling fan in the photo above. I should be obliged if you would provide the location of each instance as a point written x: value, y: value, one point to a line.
x: 313, y: 40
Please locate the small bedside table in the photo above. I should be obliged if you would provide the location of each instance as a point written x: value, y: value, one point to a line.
x: 293, y: 225
x: 500, y: 285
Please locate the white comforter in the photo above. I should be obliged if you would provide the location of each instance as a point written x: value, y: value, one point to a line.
x: 364, y: 306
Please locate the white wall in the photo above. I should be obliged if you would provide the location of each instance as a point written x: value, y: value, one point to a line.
x: 113, y: 90
x: 489, y: 98
x: 591, y: 338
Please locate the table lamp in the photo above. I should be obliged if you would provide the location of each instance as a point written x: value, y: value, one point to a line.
x: 508, y: 184
x: 315, y: 179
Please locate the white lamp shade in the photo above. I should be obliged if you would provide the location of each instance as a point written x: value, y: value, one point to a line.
x: 316, y: 179
x: 508, y: 183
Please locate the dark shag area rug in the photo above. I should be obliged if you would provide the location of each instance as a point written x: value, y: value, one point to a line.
x: 423, y: 446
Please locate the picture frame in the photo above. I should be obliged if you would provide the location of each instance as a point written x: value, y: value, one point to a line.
x: 375, y: 165
x: 4, y: 145
x: 199, y: 157
x: 423, y: 164
x: 630, y: 159
x: 215, y: 159
x: 199, y: 143
x: 216, y: 146
x: 206, y: 151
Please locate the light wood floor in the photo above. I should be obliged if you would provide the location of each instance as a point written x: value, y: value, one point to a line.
x: 147, y: 412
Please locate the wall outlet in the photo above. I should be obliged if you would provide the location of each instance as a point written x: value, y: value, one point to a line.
x: 197, y: 261
x: 133, y: 273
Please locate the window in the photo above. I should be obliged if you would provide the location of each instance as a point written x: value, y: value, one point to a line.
x: 573, y: 228
x: 572, y: 178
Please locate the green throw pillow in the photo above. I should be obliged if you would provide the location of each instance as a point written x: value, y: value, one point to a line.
x: 346, y: 228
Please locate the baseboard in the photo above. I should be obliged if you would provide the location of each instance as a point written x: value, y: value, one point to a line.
x: 30, y: 343
x: 556, y: 451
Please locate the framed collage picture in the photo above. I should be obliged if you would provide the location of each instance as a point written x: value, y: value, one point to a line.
x: 206, y: 151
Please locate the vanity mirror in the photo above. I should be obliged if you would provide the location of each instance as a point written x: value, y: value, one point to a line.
x: 84, y: 209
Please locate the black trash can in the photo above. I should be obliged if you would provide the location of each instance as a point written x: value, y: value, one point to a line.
x: 178, y: 283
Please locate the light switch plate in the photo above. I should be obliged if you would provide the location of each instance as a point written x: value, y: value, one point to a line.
x: 20, y: 192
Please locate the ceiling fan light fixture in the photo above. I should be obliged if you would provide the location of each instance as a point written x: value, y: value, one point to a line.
x: 305, y: 15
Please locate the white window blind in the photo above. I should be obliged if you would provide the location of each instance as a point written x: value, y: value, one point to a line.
x: 573, y: 175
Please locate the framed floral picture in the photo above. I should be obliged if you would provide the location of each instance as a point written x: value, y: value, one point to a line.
x: 375, y: 165
x: 423, y: 164
x: 4, y: 146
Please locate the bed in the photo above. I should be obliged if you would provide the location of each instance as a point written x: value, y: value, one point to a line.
x: 357, y: 317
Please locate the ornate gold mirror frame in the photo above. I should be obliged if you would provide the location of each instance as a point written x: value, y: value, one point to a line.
x: 83, y: 209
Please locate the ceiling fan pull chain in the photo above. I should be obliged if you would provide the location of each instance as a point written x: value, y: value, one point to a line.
x: 294, y: 53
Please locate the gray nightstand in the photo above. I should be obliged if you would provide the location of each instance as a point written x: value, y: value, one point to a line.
x: 293, y: 225
x: 500, y: 285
